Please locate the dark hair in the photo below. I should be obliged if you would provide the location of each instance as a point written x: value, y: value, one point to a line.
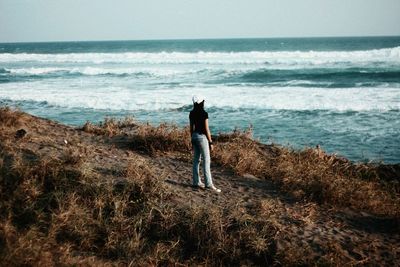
x: 198, y: 106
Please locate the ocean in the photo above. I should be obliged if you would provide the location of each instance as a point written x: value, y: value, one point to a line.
x: 340, y: 93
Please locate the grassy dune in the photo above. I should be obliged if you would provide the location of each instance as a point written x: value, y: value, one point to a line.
x: 116, y: 193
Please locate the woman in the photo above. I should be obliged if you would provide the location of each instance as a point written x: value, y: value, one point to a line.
x: 202, y: 144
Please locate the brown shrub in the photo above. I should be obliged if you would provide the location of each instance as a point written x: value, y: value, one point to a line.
x: 334, y: 181
x: 109, y: 127
x: 55, y: 212
x: 311, y: 174
x: 241, y: 153
x: 144, y: 137
x: 163, y: 138
x: 211, y: 236
x: 51, y: 203
x: 73, y: 156
x: 54, y: 215
x: 10, y: 117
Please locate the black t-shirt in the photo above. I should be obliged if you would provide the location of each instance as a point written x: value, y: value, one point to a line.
x: 199, y: 120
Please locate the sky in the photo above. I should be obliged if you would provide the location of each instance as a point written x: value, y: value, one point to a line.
x: 85, y: 20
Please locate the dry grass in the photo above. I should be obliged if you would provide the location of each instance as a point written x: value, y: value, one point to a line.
x: 163, y: 138
x: 52, y: 214
x: 332, y: 180
x: 59, y: 211
x: 307, y: 174
x: 10, y: 117
x: 311, y: 174
x: 144, y: 137
x: 241, y: 153
x: 109, y: 127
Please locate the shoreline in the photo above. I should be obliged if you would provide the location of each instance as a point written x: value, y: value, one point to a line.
x: 356, y: 159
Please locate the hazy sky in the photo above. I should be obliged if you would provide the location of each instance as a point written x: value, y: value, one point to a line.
x: 61, y: 20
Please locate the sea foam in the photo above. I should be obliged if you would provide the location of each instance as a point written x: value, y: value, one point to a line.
x: 267, y: 57
x: 92, y: 71
x: 225, y: 97
x: 342, y: 93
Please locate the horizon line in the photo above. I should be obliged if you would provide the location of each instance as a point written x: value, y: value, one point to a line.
x: 190, y: 39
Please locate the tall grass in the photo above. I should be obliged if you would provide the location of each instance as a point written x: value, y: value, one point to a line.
x: 10, y: 117
x: 311, y: 174
x: 109, y: 127
x: 57, y: 211
x: 162, y: 138
x: 53, y: 214
x: 308, y: 174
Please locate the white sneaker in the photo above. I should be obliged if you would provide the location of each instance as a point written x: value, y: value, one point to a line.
x: 217, y: 190
x: 200, y: 185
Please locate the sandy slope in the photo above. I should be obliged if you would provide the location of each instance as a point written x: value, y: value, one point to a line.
x: 305, y: 227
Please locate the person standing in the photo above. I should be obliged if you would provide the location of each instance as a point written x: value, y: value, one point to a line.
x: 201, y: 144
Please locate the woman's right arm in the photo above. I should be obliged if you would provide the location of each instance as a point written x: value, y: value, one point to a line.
x: 191, y: 127
x: 209, y: 135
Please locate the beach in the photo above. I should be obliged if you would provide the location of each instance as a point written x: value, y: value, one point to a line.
x: 119, y: 192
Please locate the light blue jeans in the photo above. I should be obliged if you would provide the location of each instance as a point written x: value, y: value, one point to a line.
x: 201, y: 150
